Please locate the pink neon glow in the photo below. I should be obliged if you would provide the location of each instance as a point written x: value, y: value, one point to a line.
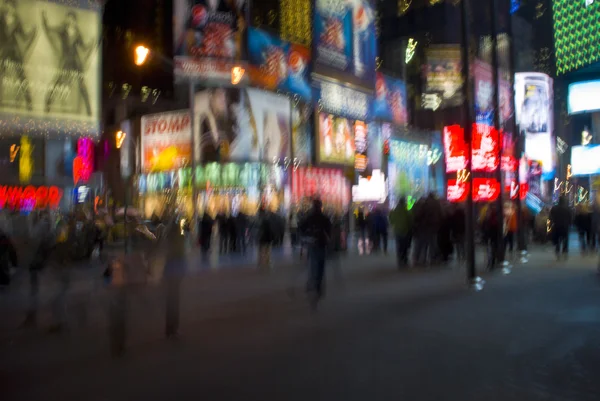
x: 83, y: 165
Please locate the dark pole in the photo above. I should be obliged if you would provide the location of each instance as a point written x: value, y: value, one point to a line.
x: 521, y: 229
x: 496, y: 82
x: 467, y: 125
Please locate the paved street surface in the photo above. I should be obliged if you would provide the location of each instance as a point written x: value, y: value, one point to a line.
x: 381, y: 334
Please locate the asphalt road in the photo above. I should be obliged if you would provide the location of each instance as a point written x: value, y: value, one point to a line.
x: 380, y: 335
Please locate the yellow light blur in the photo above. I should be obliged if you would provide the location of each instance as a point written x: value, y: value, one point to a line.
x: 120, y: 137
x: 237, y: 73
x: 26, y: 161
x: 141, y: 55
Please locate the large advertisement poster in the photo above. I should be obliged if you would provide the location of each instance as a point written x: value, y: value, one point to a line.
x: 302, y: 141
x: 276, y: 64
x: 344, y: 37
x: 534, y: 112
x: 336, y: 140
x: 207, y: 34
x: 390, y: 100
x: 241, y: 125
x: 166, y: 141
x: 444, y: 73
x: 408, y: 170
x: 49, y: 68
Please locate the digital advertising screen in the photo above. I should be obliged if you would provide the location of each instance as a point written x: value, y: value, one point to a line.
x: 534, y: 112
x: 241, y: 125
x: 585, y: 160
x: 344, y: 38
x: 390, y: 103
x: 208, y: 35
x: 576, y: 33
x: 443, y: 73
x: 166, y: 141
x: 50, y: 57
x: 408, y: 170
x: 336, y: 140
x: 279, y: 65
x: 584, y: 97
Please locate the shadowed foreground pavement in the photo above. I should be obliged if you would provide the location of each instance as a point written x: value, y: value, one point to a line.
x: 383, y: 335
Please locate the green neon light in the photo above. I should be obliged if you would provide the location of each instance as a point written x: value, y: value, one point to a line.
x: 576, y: 34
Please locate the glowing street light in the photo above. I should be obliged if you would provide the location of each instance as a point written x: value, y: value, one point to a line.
x: 120, y: 138
x: 141, y: 54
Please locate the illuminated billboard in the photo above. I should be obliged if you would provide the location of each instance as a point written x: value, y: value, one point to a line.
x: 585, y: 160
x: 241, y: 125
x: 534, y: 112
x: 344, y: 38
x: 166, y: 141
x: 209, y: 37
x: 336, y: 140
x: 408, y: 170
x: 444, y: 73
x: 49, y: 68
x: 279, y: 65
x: 390, y: 100
x: 576, y: 33
x: 584, y: 97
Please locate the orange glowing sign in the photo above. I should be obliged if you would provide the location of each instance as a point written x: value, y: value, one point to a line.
x: 237, y: 73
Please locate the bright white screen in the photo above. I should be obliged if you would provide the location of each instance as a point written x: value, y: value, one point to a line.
x: 584, y: 97
x: 585, y: 160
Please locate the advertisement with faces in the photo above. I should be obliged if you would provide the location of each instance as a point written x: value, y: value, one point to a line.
x: 241, y: 125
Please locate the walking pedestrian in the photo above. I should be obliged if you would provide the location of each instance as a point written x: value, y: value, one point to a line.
x: 8, y: 259
x: 510, y: 229
x: 205, y: 230
x: 265, y: 238
x: 318, y: 231
x: 560, y: 219
x: 402, y: 222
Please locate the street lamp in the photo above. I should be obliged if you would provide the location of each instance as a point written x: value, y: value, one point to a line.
x: 140, y: 55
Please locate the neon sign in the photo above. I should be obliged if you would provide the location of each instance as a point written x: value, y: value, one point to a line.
x: 458, y: 191
x: 83, y: 164
x: 485, y: 148
x: 456, y: 150
x: 485, y: 189
x: 30, y: 197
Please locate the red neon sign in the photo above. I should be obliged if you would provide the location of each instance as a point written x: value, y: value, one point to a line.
x: 486, y: 148
x: 456, y: 150
x: 30, y: 197
x: 458, y: 191
x: 485, y: 189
